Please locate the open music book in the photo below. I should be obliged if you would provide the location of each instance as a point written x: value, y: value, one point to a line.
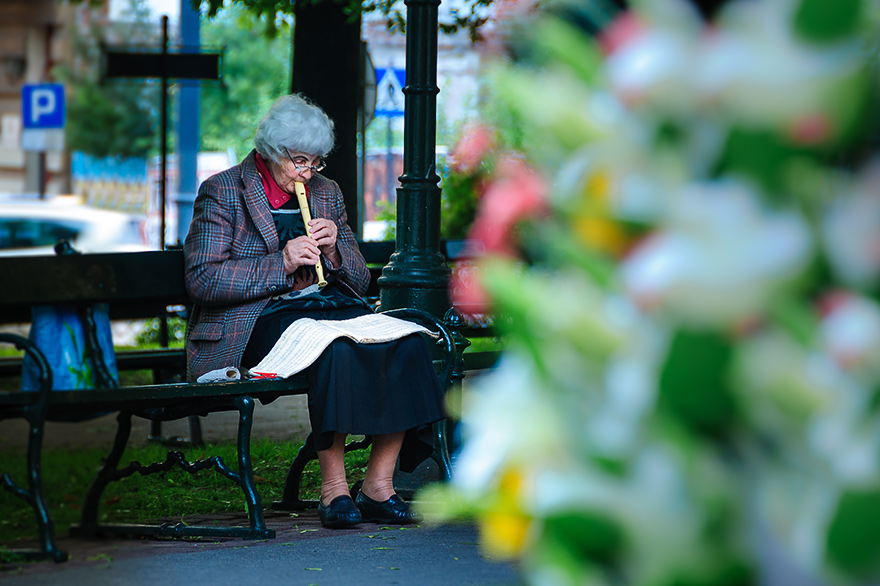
x: 304, y: 340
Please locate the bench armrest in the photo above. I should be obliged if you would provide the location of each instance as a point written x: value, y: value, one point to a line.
x: 37, y: 355
x: 445, y: 342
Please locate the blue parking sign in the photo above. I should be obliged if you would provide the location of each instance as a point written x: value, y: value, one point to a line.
x: 42, y: 105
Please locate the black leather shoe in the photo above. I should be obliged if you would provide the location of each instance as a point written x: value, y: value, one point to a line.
x: 340, y: 513
x: 394, y: 511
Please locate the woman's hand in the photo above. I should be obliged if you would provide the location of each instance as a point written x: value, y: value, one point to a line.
x: 299, y: 252
x: 324, y: 233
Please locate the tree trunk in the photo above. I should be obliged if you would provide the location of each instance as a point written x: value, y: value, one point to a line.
x: 326, y: 69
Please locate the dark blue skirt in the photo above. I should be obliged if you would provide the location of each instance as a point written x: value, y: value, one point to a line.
x: 363, y: 389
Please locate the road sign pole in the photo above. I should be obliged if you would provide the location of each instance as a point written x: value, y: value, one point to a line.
x: 389, y: 161
x: 41, y: 172
x: 187, y: 127
x: 43, y: 117
x: 163, y: 173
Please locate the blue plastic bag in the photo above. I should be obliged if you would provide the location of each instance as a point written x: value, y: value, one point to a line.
x: 77, y: 363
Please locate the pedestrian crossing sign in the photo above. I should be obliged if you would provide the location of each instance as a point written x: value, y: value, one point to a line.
x: 389, y: 92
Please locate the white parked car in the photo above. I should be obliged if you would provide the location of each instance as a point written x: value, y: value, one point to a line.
x: 34, y: 227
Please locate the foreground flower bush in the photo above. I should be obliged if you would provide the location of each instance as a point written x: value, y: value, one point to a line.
x: 684, y: 263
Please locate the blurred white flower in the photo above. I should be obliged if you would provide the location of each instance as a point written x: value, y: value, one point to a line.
x: 720, y: 258
x: 498, y: 408
x: 652, y: 53
x: 750, y: 67
x: 846, y: 437
x: 620, y: 178
x: 783, y: 383
x: 614, y: 427
x: 758, y: 72
x: 850, y: 331
x: 851, y: 227
x: 656, y: 66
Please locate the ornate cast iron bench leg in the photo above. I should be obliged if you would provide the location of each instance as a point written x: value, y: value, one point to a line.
x: 35, y: 415
x: 244, y: 478
x: 441, y: 449
x: 290, y: 500
x: 109, y: 472
x: 34, y: 495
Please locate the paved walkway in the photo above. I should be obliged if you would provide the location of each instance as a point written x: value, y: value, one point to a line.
x: 303, y: 552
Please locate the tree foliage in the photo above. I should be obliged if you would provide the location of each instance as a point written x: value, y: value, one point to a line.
x: 256, y: 70
x: 109, y: 118
x: 471, y: 16
x: 120, y: 118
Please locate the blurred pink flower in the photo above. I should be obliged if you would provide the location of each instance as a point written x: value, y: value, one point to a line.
x: 811, y: 129
x: 517, y: 193
x: 622, y: 31
x: 507, y: 10
x: 472, y: 148
x: 831, y: 301
x: 466, y: 290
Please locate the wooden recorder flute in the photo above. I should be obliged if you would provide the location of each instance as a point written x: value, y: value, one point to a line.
x: 307, y: 217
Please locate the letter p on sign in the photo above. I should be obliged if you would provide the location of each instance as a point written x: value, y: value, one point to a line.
x: 43, y: 105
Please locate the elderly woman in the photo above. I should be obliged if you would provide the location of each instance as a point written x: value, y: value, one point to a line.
x: 250, y: 271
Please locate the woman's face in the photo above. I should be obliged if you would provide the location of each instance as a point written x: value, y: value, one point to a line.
x: 300, y: 167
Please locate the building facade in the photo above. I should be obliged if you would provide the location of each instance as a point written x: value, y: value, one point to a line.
x: 31, y: 43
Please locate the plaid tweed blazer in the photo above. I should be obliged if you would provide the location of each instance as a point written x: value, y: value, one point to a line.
x: 234, y: 265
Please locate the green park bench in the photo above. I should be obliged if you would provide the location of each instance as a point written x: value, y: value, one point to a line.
x: 142, y: 285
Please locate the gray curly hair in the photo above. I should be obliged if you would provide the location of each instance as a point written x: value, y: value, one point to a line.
x: 296, y: 124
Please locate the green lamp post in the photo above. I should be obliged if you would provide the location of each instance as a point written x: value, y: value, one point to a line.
x: 417, y: 274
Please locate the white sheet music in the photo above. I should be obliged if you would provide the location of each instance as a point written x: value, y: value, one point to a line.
x: 304, y: 340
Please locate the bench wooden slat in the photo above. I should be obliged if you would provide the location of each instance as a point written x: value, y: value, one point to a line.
x: 135, y: 398
x: 135, y: 283
x: 151, y: 358
x: 173, y: 359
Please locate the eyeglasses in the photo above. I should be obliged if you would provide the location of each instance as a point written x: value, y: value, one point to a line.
x: 301, y: 164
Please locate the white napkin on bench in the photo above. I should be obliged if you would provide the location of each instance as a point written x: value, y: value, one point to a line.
x: 228, y: 373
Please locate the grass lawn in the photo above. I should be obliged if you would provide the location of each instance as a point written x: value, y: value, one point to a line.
x: 68, y: 473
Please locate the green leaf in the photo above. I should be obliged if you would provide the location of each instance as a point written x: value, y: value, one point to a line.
x: 797, y: 317
x: 585, y: 534
x: 694, y: 385
x: 853, y: 543
x: 562, y: 42
x: 760, y: 155
x: 717, y: 571
x: 827, y: 20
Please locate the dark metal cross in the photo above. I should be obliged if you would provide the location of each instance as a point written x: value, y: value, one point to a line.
x: 165, y: 66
